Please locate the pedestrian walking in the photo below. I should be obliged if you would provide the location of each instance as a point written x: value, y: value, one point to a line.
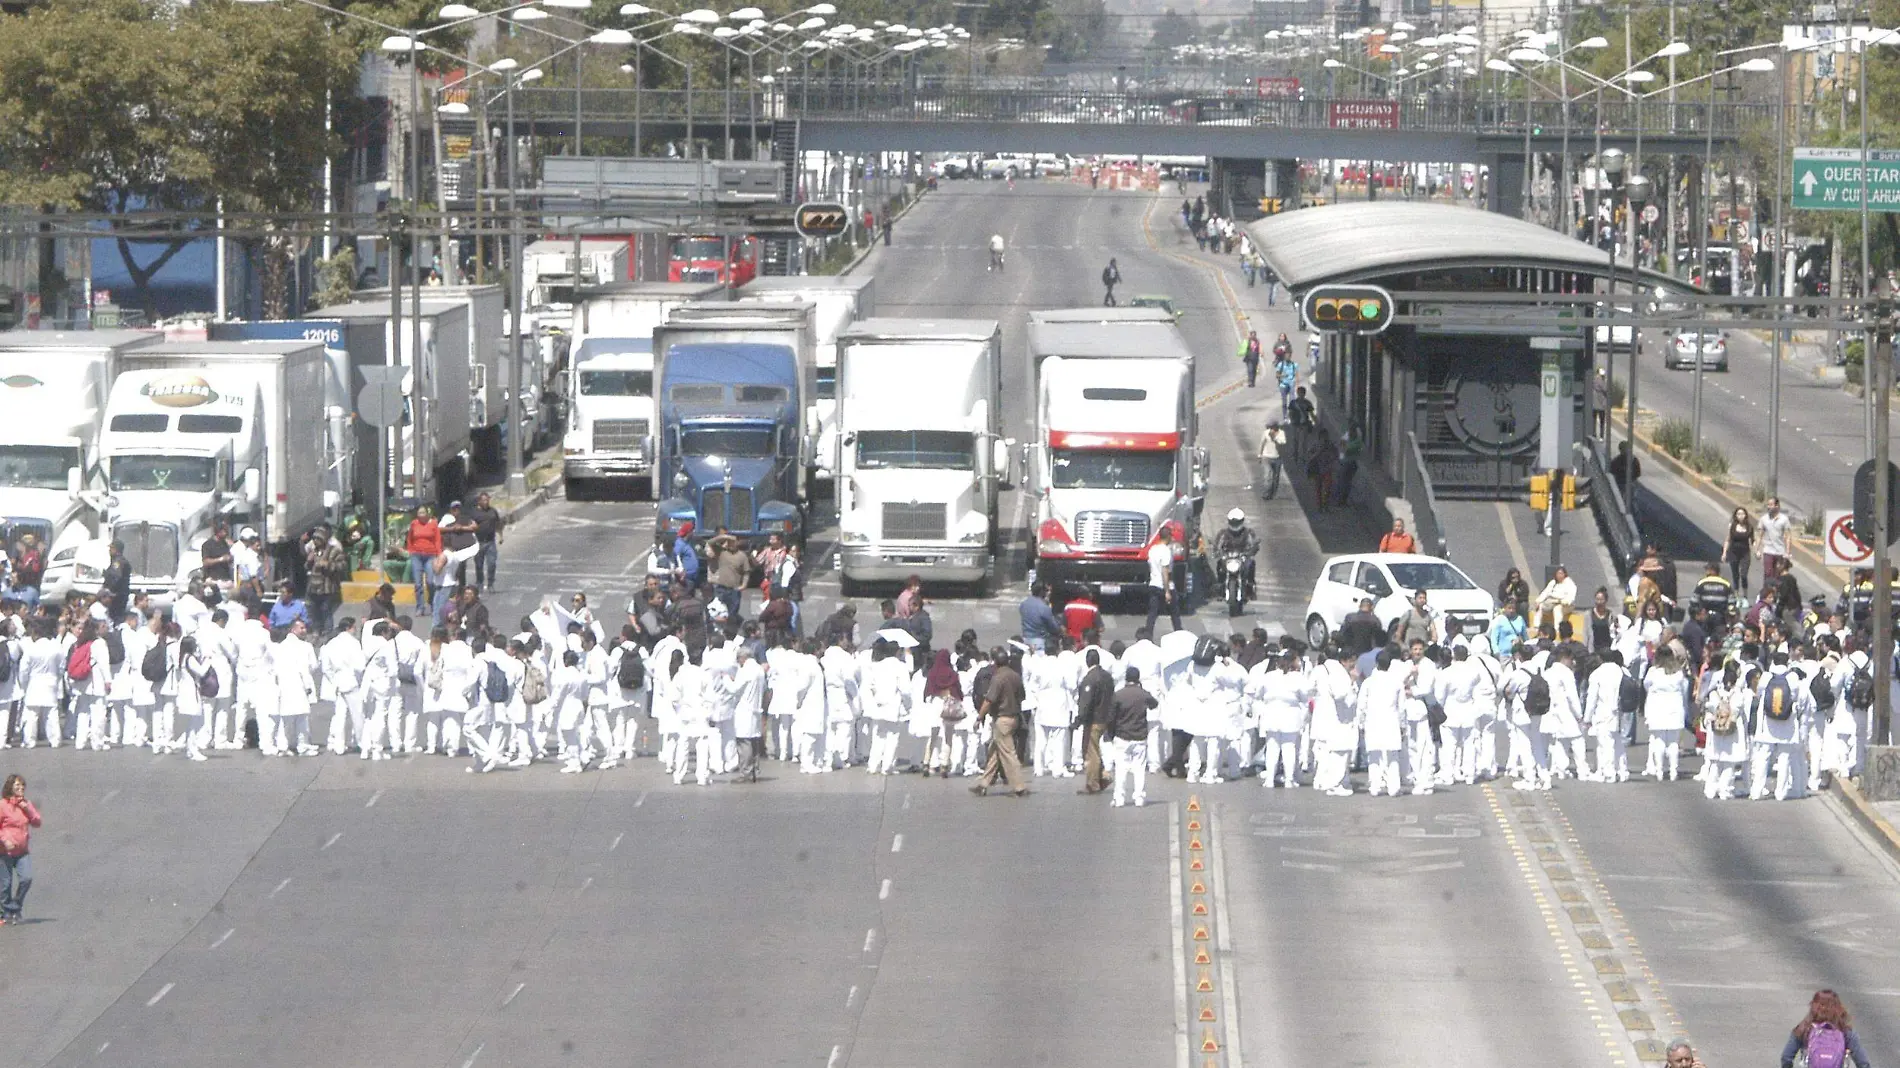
x: 1111, y: 277
x: 1250, y: 356
x: 1738, y: 548
x: 1772, y: 530
x: 490, y: 526
x: 1272, y: 444
x: 1825, y: 1037
x: 18, y: 817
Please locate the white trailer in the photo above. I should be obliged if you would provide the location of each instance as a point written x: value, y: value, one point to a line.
x: 490, y: 368
x: 1115, y: 458
x: 609, y: 436
x: 548, y: 275
x: 839, y: 301
x: 198, y: 431
x: 923, y: 462
x: 53, y: 391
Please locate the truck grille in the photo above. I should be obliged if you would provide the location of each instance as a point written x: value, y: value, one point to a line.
x: 151, y: 551
x: 699, y: 274
x: 739, y: 510
x: 620, y: 435
x: 1111, y: 530
x: 915, y: 522
x: 712, y: 510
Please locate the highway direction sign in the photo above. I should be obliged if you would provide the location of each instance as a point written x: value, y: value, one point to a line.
x: 1828, y: 179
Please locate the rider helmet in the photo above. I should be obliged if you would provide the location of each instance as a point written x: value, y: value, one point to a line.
x: 1236, y: 519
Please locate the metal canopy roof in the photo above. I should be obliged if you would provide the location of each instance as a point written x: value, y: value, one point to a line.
x: 1375, y: 240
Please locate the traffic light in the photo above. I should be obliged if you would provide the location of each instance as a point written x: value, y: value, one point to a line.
x: 1566, y: 491
x: 1270, y: 205
x: 1540, y: 492
x: 1569, y: 497
x: 1347, y: 309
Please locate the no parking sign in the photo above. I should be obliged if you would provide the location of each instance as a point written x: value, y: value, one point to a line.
x: 1840, y: 545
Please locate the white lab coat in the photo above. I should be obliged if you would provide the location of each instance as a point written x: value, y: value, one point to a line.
x: 1381, y: 710
x: 1564, y: 720
x: 747, y: 698
x: 1666, y: 701
x: 1335, y: 717
x: 1469, y: 692
x: 42, y: 664
x: 1282, y: 699
x: 884, y: 691
x: 294, y: 665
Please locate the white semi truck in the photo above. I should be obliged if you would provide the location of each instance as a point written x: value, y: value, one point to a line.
x: 1115, y: 458
x: 202, y: 431
x: 489, y: 369
x: 839, y: 301
x: 548, y: 277
x: 610, y: 418
x: 923, y: 461
x: 53, y: 390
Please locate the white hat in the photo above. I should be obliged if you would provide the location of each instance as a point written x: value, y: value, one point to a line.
x: 247, y: 534
x: 97, y: 611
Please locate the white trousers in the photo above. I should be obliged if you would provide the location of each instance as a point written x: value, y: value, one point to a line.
x: 1719, y: 784
x: 1204, y: 758
x: 1421, y: 755
x: 1052, y: 751
x: 1282, y: 756
x: 1333, y: 770
x: 89, y: 721
x: 346, y: 721
x: 38, y: 717
x: 1567, y: 757
x: 1461, y: 763
x: 1665, y: 753
x: 842, y: 746
x: 1131, y: 771
x: 1613, y: 758
x: 884, y: 739
x: 784, y: 743
x: 1382, y: 771
x: 1783, y: 758
x: 811, y: 754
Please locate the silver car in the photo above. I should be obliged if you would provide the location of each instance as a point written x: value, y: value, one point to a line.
x: 1688, y: 346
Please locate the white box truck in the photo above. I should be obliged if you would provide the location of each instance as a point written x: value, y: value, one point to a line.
x: 53, y: 391
x: 1115, y: 457
x: 198, y: 431
x: 490, y: 369
x: 548, y: 277
x: 610, y: 418
x: 923, y: 462
x: 840, y: 300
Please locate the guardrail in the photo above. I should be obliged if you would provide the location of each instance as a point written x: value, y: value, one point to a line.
x: 1614, y: 518
x: 1416, y: 485
x: 963, y: 102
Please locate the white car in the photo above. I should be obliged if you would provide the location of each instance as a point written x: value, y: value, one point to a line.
x: 1391, y: 579
x: 1687, y: 347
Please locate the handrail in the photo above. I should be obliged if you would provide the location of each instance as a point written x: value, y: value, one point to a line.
x: 1614, y: 517
x: 1417, y: 487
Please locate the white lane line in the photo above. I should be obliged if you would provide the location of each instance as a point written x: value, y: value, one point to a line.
x: 280, y: 886
x: 897, y: 843
x: 160, y: 996
x: 851, y: 999
x: 587, y: 882
x: 617, y: 839
x: 1223, y: 938
x: 641, y: 800
x: 870, y: 938
x: 519, y: 987
x: 906, y: 802
x: 1176, y: 912
x: 106, y: 800
x: 1509, y: 523
x: 884, y: 891
x: 470, y: 1063
x: 223, y: 938
x: 373, y: 798
x: 103, y: 1047
x: 332, y: 841
x: 830, y: 1062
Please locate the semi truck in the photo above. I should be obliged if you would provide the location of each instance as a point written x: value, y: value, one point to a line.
x: 609, y: 435
x: 53, y: 392
x: 339, y: 399
x: 1115, y: 460
x: 841, y: 300
x: 734, y: 449
x: 198, y: 432
x: 923, y: 463
x: 435, y: 424
x: 549, y: 278
x: 488, y: 371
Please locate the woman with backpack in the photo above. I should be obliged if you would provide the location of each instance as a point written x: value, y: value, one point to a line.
x: 1725, y: 719
x: 1666, y: 709
x: 1826, y: 1035
x: 193, y: 703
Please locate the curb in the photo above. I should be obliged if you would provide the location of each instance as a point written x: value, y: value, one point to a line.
x: 858, y: 261
x: 1866, y: 814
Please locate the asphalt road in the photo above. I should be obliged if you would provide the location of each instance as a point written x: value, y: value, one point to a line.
x: 328, y: 911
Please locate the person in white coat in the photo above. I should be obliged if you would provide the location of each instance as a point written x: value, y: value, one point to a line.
x: 1725, y: 711
x: 781, y: 671
x: 1666, y: 710
x: 841, y: 704
x: 1145, y: 657
x: 666, y: 705
x: 1525, y: 757
x: 159, y: 671
x: 597, y: 729
x: 699, y: 729
x: 42, y: 667
x: 885, y: 696
x: 214, y: 641
x: 88, y: 694
x: 1844, y: 724
x: 1468, y: 692
x: 1335, y: 724
x: 255, y: 696
x: 1782, y: 707
x: 1603, y: 719
x: 1421, y: 690
x: 294, y: 664
x: 1210, y: 696
x: 807, y: 681
x: 1050, y: 684
x: 405, y: 714
x: 10, y: 687
x: 720, y: 660
x: 1379, y: 713
x: 381, y: 692
x: 626, y: 704
x: 490, y: 723
x: 453, y: 683
x: 1562, y: 725
x: 567, y: 696
x: 1282, y: 697
x: 744, y: 693
x: 195, y: 678
x: 341, y: 662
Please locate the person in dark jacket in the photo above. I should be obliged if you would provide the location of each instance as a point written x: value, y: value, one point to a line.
x: 1093, y: 697
x: 1126, y: 735
x: 1824, y: 1011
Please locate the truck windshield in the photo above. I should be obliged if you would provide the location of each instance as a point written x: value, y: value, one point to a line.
x: 616, y: 383
x: 937, y: 449
x: 188, y: 474
x: 698, y: 248
x: 36, y: 466
x: 727, y: 441
x: 1111, y: 469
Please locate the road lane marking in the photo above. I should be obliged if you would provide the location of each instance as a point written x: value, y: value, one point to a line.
x: 1510, y: 539
x: 107, y: 799
x: 373, y: 798
x: 641, y: 800
x: 512, y: 994
x: 897, y: 843
x: 160, y: 996
x: 884, y: 891
x: 616, y: 844
x: 332, y: 841
x: 1229, y: 988
x: 851, y: 999
x: 870, y: 938
x: 585, y: 883
x: 470, y: 1063
x: 223, y: 938
x: 280, y: 886
x: 830, y: 1062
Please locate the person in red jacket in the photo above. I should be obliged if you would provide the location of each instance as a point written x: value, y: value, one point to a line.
x: 423, y: 544
x: 1080, y: 614
x: 17, y: 818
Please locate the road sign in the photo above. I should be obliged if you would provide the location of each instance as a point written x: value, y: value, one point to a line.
x: 821, y: 219
x: 1828, y: 179
x: 1363, y: 114
x: 1840, y: 547
x: 1651, y: 213
x: 1277, y: 88
x: 379, y: 402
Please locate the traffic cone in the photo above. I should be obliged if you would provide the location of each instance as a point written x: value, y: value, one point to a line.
x: 1200, y: 932
x: 1201, y: 957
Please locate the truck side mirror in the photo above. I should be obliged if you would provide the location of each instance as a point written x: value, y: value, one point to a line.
x: 1002, y: 455
x: 72, y: 482
x: 1201, y: 465
x: 253, y: 486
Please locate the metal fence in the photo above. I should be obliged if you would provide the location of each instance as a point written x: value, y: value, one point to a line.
x: 1416, y: 484
x: 1614, y: 517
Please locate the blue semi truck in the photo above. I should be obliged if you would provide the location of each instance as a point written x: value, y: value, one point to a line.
x: 736, y: 444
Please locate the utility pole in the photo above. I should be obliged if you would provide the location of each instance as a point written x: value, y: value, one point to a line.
x: 1880, y: 383
x: 1776, y: 276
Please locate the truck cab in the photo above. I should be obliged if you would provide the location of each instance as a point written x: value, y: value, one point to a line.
x: 731, y: 454
x: 729, y: 260
x: 180, y: 452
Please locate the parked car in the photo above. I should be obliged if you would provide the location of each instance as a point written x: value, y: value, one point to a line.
x: 1391, y: 579
x: 1686, y: 347
x: 1156, y: 300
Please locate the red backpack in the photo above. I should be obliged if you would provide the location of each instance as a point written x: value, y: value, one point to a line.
x: 79, y: 662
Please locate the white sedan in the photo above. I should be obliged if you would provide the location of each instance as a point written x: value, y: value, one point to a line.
x: 1391, y: 579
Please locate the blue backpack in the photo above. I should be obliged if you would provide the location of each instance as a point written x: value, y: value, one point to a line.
x: 495, y: 685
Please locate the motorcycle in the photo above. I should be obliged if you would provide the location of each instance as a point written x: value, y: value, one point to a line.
x: 1233, y: 577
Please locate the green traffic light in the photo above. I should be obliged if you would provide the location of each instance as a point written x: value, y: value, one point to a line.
x: 1368, y: 310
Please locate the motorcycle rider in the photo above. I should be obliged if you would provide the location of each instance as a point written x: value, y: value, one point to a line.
x: 996, y: 252
x: 1238, y: 538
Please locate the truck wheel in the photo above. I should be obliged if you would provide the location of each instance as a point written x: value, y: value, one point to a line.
x: 848, y: 587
